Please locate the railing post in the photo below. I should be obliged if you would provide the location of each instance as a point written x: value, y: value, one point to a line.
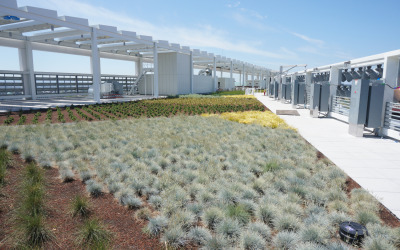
x: 391, y: 77
x: 76, y: 82
x: 58, y: 86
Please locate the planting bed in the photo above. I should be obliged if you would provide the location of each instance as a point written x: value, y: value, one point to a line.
x: 208, y: 181
x: 143, y: 108
x: 126, y: 231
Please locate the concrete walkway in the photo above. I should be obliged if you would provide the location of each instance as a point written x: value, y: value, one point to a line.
x: 371, y: 161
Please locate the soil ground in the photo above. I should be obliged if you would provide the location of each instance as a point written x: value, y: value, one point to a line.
x: 127, y: 232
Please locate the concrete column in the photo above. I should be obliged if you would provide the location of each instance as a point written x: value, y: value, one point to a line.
x: 27, y: 67
x: 191, y: 72
x: 244, y: 75
x: 95, y: 65
x: 215, y: 73
x: 252, y: 78
x: 308, y: 78
x: 391, y: 78
x: 294, y: 91
x: 335, y: 79
x: 139, y: 66
x: 282, y: 89
x: 231, y: 70
x: 155, y: 62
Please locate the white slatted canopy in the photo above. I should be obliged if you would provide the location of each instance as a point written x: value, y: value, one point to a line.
x: 48, y: 31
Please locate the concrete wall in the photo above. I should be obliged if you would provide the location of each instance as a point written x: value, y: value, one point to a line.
x: 183, y: 62
x: 167, y: 74
x: 173, y: 73
x: 203, y: 84
x: 148, y: 87
x: 226, y: 83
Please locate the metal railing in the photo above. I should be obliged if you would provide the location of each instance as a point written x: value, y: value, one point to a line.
x: 11, y: 83
x: 341, y: 105
x: 65, y: 83
x: 392, y: 116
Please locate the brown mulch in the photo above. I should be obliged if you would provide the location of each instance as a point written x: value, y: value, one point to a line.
x: 8, y: 195
x: 386, y: 216
x: 127, y: 232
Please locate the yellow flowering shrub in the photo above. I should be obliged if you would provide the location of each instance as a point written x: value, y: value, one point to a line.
x: 266, y: 119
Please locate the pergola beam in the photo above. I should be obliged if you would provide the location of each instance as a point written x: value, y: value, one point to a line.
x: 55, y: 34
x: 18, y: 25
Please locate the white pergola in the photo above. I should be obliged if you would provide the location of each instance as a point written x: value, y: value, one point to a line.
x: 30, y: 28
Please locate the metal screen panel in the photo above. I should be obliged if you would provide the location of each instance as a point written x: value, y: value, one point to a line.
x: 392, y: 116
x: 341, y: 105
x: 11, y: 84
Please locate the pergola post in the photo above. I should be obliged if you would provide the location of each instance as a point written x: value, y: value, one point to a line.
x: 231, y: 70
x: 95, y: 65
x: 139, y: 66
x: 244, y: 75
x: 252, y: 77
x: 26, y: 66
x: 215, y: 73
x: 191, y: 72
x: 155, y: 62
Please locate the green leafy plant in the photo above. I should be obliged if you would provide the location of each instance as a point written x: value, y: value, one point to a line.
x: 80, y: 206
x: 94, y: 235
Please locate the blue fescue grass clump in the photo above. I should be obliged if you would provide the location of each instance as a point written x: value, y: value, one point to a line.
x: 286, y: 240
x: 216, y: 242
x: 156, y: 225
x: 261, y: 229
x: 94, y: 188
x: 127, y: 198
x: 251, y: 241
x: 174, y: 237
x: 229, y: 228
x: 212, y: 217
x: 199, y: 235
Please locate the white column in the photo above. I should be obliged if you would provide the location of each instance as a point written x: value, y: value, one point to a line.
x: 27, y: 67
x: 252, y: 78
x: 231, y: 70
x: 244, y: 74
x: 191, y: 72
x: 139, y: 66
x: 390, y: 75
x: 155, y: 62
x: 335, y: 78
x: 215, y: 73
x: 95, y: 65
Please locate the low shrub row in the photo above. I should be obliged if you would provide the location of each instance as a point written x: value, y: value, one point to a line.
x: 60, y: 115
x: 9, y: 120
x: 35, y: 119
x: 4, y: 161
x: 31, y: 230
x: 71, y: 114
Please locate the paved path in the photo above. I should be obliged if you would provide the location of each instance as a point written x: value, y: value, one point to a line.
x: 372, y: 162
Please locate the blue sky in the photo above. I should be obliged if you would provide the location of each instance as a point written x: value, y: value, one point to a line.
x: 267, y: 33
